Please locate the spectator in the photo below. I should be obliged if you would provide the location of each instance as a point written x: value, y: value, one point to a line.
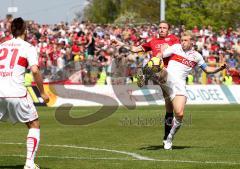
x: 68, y: 46
x: 228, y: 80
x: 195, y: 30
x: 205, y: 52
x: 236, y: 47
x: 232, y: 62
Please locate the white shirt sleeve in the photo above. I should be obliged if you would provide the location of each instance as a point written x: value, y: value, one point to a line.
x: 32, y: 56
x: 170, y: 50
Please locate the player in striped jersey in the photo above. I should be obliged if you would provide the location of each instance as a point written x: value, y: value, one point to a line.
x: 183, y: 58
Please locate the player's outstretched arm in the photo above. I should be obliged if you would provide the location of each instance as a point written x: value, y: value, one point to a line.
x: 38, y: 79
x: 209, y: 70
x: 134, y: 49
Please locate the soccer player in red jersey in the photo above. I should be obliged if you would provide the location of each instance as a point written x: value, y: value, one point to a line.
x: 156, y: 45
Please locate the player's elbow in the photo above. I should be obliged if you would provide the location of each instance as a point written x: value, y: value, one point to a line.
x: 207, y: 70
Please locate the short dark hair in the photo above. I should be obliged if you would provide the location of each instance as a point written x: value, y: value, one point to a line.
x: 123, y: 50
x: 163, y: 21
x: 18, y: 27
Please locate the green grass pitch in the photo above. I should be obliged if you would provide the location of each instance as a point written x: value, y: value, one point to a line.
x: 130, y: 139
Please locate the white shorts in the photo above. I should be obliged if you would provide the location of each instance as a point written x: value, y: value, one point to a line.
x: 17, y: 109
x: 174, y: 87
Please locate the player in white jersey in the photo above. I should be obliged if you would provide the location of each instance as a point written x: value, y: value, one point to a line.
x: 15, y: 103
x: 183, y: 59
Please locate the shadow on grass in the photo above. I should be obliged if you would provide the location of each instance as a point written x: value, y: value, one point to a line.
x: 159, y: 147
x: 16, y: 167
x: 12, y: 167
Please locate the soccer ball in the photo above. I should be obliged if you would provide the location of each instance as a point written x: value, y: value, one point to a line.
x: 156, y: 64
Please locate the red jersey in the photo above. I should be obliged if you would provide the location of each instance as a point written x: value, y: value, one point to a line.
x: 155, y: 45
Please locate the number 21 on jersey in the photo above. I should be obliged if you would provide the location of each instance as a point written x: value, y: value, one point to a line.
x: 4, y: 54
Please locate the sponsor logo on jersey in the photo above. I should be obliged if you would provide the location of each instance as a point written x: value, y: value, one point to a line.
x: 6, y: 74
x: 185, y: 61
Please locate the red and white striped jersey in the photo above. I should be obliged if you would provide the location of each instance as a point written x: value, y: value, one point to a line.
x: 15, y: 56
x: 181, y: 63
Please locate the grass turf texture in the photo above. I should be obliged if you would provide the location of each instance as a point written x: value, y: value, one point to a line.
x: 210, y: 133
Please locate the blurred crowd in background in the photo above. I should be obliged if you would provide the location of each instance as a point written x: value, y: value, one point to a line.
x: 84, y: 53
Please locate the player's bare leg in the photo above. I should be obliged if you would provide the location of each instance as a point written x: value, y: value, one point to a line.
x: 178, y: 106
x: 33, y: 139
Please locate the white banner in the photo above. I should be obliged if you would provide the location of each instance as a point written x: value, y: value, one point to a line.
x: 206, y: 94
x: 79, y: 95
x: 235, y: 90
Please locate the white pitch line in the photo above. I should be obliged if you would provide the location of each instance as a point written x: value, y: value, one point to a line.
x: 73, y: 158
x: 134, y: 155
x: 128, y: 159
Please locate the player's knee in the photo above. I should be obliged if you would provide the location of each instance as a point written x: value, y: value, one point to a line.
x: 34, y: 124
x: 179, y: 114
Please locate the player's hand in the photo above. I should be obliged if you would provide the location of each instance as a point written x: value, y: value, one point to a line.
x: 164, y: 47
x: 113, y: 42
x: 45, y: 97
x: 224, y: 66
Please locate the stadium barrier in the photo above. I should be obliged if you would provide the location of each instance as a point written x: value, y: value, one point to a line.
x: 130, y: 95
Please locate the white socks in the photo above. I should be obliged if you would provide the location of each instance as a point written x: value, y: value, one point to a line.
x: 33, y: 139
x: 175, y: 126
